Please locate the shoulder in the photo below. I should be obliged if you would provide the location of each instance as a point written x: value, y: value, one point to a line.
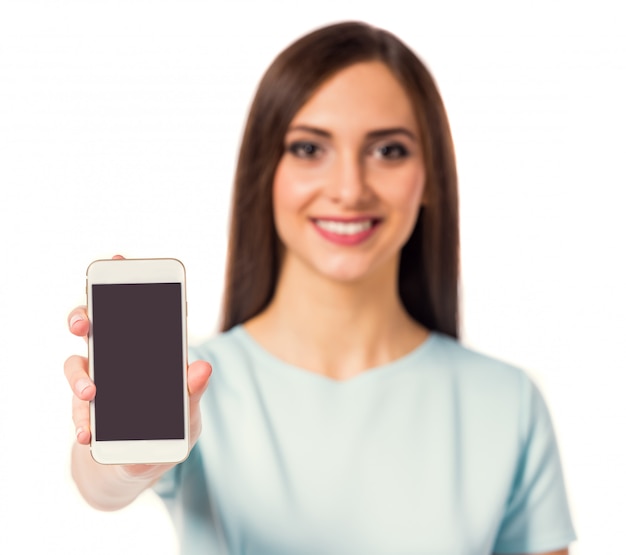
x: 472, y: 367
x: 485, y: 385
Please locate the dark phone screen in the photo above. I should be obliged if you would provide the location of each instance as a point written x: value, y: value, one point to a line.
x: 138, y: 361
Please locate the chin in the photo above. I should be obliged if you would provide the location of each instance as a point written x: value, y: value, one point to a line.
x: 341, y: 268
x: 351, y: 273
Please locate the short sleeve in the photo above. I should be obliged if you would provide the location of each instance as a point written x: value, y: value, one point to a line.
x: 537, y: 517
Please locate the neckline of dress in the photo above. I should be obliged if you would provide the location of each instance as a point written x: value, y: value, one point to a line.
x: 369, y: 374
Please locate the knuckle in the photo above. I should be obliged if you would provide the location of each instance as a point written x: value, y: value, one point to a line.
x: 80, y: 415
x: 70, y: 360
x: 72, y: 364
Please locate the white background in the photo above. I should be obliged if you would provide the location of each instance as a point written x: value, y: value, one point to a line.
x: 119, y: 127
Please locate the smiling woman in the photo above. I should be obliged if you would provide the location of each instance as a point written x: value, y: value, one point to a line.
x: 343, y: 414
x: 429, y: 261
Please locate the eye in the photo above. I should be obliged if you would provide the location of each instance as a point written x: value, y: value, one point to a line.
x: 391, y: 151
x: 305, y: 149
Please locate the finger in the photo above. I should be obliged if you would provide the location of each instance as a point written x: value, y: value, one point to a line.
x: 80, y: 416
x: 75, y: 369
x: 198, y: 375
x: 78, y: 322
x: 83, y: 435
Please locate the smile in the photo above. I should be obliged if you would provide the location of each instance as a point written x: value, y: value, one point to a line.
x: 344, y: 228
x: 346, y: 233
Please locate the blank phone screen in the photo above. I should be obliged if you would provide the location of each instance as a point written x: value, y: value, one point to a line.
x: 138, y: 361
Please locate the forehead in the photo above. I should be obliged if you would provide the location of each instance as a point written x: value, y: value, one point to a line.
x: 366, y: 93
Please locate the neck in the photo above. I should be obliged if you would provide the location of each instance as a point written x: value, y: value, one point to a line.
x: 335, y: 328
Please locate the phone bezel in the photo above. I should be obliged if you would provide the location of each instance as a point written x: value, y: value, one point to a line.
x: 126, y: 271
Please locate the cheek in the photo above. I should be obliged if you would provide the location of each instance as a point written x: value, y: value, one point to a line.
x: 285, y: 191
x: 405, y: 198
x: 291, y: 195
x: 405, y: 194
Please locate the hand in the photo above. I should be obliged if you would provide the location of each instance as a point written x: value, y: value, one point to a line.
x: 84, y: 390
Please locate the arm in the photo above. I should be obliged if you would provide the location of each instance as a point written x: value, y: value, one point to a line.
x: 111, y: 487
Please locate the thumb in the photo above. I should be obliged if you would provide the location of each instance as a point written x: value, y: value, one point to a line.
x: 198, y: 375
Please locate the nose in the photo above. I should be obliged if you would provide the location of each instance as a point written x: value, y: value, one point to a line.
x: 347, y: 183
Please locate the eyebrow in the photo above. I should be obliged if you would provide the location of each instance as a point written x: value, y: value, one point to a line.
x: 371, y: 135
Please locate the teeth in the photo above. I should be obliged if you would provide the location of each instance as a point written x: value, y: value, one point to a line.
x: 344, y: 228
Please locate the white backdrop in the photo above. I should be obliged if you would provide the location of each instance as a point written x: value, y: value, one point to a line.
x: 119, y: 127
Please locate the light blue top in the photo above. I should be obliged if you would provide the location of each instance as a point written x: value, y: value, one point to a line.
x: 444, y: 451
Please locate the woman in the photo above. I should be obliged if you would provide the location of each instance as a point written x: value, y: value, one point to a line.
x: 343, y: 416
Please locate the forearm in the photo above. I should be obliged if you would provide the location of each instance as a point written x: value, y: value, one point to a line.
x: 111, y: 487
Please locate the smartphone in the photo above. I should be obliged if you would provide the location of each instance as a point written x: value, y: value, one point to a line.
x: 138, y: 361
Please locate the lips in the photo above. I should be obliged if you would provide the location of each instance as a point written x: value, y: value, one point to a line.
x: 346, y: 232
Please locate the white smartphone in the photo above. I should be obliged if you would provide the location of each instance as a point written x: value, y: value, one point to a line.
x: 138, y: 361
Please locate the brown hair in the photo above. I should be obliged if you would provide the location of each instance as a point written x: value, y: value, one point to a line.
x: 429, y: 263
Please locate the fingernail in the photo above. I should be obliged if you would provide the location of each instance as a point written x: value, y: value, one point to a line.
x: 78, y: 431
x: 74, y: 319
x: 82, y: 384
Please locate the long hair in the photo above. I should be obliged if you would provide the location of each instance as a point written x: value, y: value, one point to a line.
x: 429, y: 261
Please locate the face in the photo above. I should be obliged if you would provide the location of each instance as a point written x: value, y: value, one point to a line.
x: 349, y: 185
